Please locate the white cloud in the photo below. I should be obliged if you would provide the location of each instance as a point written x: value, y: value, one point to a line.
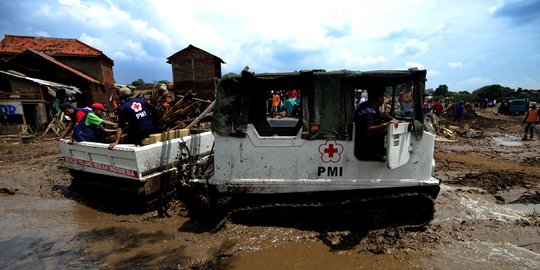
x: 92, y: 41
x: 350, y: 61
x: 69, y: 2
x: 493, y: 9
x: 411, y: 47
x: 455, y: 64
x: 135, y: 49
x: 413, y: 65
x: 42, y: 34
x: 268, y: 37
x: 437, y: 30
x: 433, y: 73
x: 120, y: 56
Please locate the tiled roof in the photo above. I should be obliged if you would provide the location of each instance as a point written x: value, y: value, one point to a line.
x: 47, y: 45
x: 66, y: 67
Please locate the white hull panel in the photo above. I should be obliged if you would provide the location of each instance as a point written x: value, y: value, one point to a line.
x: 288, y: 164
x: 132, y: 162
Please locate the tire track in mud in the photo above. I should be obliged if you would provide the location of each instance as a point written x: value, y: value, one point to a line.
x: 484, y: 163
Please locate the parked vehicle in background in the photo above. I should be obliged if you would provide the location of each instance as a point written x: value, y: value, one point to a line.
x: 518, y: 106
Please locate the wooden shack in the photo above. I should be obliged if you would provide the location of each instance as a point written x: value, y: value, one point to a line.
x: 26, y: 102
x: 63, y: 60
x: 195, y: 70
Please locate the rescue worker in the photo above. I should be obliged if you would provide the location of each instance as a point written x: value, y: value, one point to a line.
x: 371, y: 125
x: 276, y: 100
x: 530, y: 121
x: 75, y: 115
x: 90, y: 128
x: 134, y: 118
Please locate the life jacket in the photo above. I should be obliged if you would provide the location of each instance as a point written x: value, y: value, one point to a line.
x: 80, y: 113
x: 533, y: 116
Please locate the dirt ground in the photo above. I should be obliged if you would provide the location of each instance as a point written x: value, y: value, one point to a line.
x: 486, y: 217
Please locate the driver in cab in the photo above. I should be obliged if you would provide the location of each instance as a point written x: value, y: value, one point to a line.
x: 371, y: 125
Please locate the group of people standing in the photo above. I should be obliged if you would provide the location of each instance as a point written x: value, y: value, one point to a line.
x: 287, y: 101
x: 134, y: 119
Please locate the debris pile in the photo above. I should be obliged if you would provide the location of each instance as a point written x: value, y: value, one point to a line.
x: 445, y: 126
x: 173, y: 112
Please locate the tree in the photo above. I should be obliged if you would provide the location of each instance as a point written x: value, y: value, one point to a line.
x: 138, y: 82
x: 494, y: 91
x: 442, y: 91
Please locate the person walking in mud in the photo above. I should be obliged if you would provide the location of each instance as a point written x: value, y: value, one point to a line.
x: 460, y: 111
x: 530, y: 121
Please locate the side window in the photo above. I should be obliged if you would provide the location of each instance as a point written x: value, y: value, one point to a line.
x: 283, y: 113
x: 406, y: 102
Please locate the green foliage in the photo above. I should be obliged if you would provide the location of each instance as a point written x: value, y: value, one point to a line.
x: 161, y: 81
x: 494, y: 91
x: 461, y: 96
x: 534, y: 97
x: 490, y: 92
x: 138, y: 82
x: 441, y: 91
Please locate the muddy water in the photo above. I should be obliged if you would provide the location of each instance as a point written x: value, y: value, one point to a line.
x: 508, y: 140
x: 39, y: 233
x: 36, y: 233
x: 467, y: 231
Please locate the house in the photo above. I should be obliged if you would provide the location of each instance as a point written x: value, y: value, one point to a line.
x: 63, y: 60
x: 35, y: 69
x: 195, y: 70
x: 26, y: 102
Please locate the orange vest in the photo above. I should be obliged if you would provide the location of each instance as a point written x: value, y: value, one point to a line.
x: 275, y: 100
x: 533, y: 116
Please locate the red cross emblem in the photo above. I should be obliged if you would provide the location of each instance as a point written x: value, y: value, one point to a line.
x: 136, y: 106
x: 330, y: 151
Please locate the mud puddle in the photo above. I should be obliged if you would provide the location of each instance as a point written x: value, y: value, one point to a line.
x: 508, y: 140
x: 40, y: 233
x: 32, y: 236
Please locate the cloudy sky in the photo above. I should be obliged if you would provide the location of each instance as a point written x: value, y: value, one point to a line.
x: 462, y: 43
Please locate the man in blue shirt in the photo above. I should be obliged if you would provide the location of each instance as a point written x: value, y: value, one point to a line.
x: 371, y: 125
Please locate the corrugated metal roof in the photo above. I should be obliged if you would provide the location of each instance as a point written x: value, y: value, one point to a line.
x: 51, y: 46
x: 43, y: 82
